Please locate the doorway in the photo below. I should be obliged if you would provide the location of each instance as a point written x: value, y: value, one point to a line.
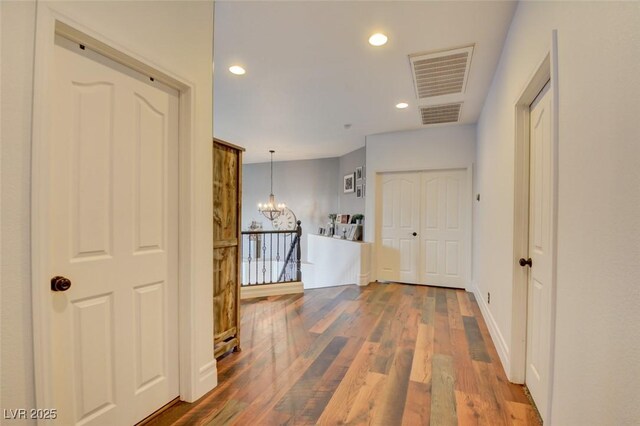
x: 424, y: 228
x: 535, y: 233
x: 111, y: 218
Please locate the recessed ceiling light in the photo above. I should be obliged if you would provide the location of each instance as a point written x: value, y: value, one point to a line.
x: 402, y: 105
x: 378, y: 39
x: 237, y: 70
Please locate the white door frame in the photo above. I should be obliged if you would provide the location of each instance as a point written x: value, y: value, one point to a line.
x: 547, y: 70
x: 196, y: 378
x: 469, y: 219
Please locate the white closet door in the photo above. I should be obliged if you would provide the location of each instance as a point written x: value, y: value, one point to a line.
x: 442, y: 233
x: 114, y: 234
x: 398, y: 249
x: 423, y: 228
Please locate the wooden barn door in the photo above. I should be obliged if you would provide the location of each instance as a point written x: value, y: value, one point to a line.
x: 227, y: 197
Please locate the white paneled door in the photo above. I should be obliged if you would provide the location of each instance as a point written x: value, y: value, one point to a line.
x: 399, y: 247
x: 114, y: 232
x: 442, y: 228
x: 541, y: 257
x: 423, y: 228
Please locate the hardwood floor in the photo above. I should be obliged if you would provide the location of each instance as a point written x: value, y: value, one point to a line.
x: 386, y: 354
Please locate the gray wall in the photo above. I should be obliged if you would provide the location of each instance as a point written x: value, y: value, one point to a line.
x: 349, y: 203
x: 311, y: 188
x: 307, y: 187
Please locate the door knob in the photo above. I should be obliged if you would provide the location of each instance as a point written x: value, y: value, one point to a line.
x: 60, y: 283
x: 525, y: 262
x: 415, y: 234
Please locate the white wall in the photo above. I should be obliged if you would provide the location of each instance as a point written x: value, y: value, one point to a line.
x: 16, y: 368
x: 175, y: 35
x: 308, y: 187
x: 451, y: 147
x: 597, y: 345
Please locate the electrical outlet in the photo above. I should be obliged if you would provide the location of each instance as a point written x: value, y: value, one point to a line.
x: 488, y: 298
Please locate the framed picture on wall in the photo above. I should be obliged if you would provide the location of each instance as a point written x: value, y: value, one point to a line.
x: 359, y: 173
x: 359, y: 191
x: 349, y: 183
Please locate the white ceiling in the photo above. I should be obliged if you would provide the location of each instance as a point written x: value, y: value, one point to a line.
x: 310, y: 69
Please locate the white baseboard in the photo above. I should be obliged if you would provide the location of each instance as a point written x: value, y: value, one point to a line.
x: 208, y: 369
x: 497, y: 337
x: 265, y: 290
x: 364, y: 279
x: 207, y: 379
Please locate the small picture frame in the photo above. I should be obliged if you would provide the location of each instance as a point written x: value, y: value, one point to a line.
x: 359, y: 191
x: 344, y: 218
x: 359, y: 173
x: 349, y: 183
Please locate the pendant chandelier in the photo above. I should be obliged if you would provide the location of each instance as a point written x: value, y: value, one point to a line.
x: 270, y: 209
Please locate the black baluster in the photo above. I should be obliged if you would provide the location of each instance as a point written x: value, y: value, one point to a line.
x: 278, y: 253
x: 298, y: 252
x: 249, y: 263
x: 264, y: 255
x: 292, y: 258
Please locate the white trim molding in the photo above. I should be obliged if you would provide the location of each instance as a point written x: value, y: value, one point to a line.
x: 265, y: 290
x: 364, y: 279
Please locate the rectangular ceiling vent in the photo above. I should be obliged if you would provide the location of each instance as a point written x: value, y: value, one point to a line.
x: 441, y: 73
x: 439, y: 114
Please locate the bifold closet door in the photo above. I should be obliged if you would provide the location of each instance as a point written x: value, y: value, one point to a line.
x: 423, y: 235
x: 442, y: 228
x: 398, y: 248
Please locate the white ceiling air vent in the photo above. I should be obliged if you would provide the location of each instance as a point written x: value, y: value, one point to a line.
x: 438, y: 114
x: 441, y: 73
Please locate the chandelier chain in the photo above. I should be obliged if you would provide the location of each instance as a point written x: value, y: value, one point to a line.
x: 271, y: 210
x: 272, y: 151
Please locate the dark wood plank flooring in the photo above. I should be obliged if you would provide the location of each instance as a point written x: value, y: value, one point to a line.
x: 386, y: 354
